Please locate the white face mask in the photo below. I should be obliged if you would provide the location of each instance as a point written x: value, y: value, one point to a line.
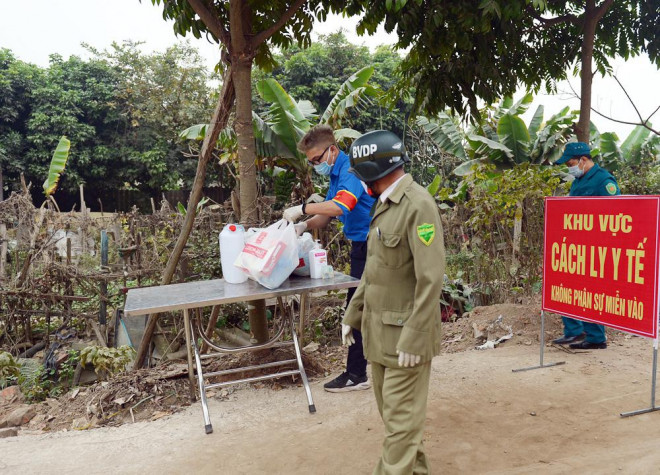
x: 575, y: 171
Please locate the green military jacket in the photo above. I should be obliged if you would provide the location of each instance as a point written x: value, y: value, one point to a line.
x: 396, y: 305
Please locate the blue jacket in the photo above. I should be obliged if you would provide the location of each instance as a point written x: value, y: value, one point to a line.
x: 596, y: 182
x: 350, y: 194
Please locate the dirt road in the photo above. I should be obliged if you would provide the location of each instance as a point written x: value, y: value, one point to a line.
x: 482, y: 418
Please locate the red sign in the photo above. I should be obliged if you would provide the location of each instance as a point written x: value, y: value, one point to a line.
x: 600, y: 260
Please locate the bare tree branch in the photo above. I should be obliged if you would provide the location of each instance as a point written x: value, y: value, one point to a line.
x: 264, y: 35
x: 643, y: 122
x: 629, y: 99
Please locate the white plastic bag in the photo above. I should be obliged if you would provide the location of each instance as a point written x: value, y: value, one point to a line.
x: 305, y: 244
x: 270, y: 254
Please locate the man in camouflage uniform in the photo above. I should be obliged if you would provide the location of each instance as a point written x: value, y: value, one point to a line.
x: 396, y: 305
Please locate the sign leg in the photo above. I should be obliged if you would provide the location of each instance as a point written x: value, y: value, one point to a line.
x: 653, y: 382
x: 542, y: 339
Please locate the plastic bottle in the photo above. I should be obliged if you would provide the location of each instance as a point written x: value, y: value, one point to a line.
x: 232, y: 241
x: 318, y: 258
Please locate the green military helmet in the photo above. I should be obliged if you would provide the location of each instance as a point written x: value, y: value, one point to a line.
x: 376, y: 154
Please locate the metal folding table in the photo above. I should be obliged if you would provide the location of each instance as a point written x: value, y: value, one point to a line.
x: 191, y: 295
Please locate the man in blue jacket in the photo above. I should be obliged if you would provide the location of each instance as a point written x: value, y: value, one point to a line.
x: 590, y: 180
x: 347, y: 200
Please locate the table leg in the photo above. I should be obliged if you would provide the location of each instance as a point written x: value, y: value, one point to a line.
x: 191, y: 371
x: 301, y: 368
x: 202, y: 389
x: 302, y: 314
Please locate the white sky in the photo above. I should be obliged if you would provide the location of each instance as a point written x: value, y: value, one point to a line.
x: 34, y: 29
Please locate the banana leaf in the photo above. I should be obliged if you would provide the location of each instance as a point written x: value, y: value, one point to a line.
x: 445, y: 133
x: 342, y: 134
x: 465, y: 168
x: 635, y: 139
x: 507, y: 106
x: 434, y: 186
x: 513, y: 133
x: 609, y: 151
x: 495, y: 151
x: 350, y: 94
x: 57, y: 164
x: 269, y: 144
x: 535, y: 123
x: 195, y: 132
x: 284, y: 116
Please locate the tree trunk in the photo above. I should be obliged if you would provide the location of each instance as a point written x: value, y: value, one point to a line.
x: 586, y: 79
x: 592, y: 16
x: 246, y: 148
x: 218, y: 122
x: 3, y: 233
x: 248, y: 175
x: 242, y: 56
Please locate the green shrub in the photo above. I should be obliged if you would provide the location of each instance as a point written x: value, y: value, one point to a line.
x: 9, y: 369
x: 107, y: 361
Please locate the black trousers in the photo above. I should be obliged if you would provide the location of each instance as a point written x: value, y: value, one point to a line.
x: 356, y: 363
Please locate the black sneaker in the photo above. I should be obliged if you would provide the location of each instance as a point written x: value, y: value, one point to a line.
x: 347, y: 382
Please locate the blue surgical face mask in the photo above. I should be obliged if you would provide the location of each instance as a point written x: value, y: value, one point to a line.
x: 576, y: 171
x: 323, y: 168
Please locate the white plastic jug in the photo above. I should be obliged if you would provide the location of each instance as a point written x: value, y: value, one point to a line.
x: 318, y: 258
x: 232, y: 241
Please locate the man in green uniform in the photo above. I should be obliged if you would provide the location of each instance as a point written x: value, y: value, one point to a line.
x: 396, y: 305
x: 590, y: 180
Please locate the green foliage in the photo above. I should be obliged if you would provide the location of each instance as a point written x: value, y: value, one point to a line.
x: 36, y: 382
x: 479, y: 230
x: 107, y: 361
x: 182, y: 210
x: 635, y: 162
x: 289, y: 119
x: 67, y: 368
x: 324, y: 327
x: 256, y: 17
x: 457, y: 295
x: 35, y: 385
x: 122, y: 109
x: 315, y: 73
x: 461, y: 51
x: 9, y: 369
x: 17, y: 83
x: 283, y: 183
x: 284, y: 120
x: 641, y: 147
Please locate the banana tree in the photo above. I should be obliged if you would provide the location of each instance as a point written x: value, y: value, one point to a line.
x: 289, y: 120
x: 641, y: 146
x: 504, y: 139
x: 278, y: 130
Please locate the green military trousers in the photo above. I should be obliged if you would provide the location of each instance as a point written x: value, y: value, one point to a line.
x: 401, y: 395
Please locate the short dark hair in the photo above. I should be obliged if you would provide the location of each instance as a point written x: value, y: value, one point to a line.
x: 318, y: 136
